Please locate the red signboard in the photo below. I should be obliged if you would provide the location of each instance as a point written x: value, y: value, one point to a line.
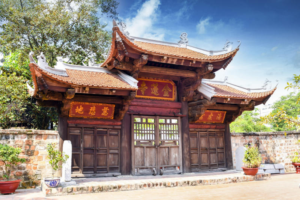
x: 92, y: 110
x: 156, y: 89
x: 212, y: 116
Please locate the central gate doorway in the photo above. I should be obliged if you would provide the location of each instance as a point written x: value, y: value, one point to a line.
x: 156, y: 145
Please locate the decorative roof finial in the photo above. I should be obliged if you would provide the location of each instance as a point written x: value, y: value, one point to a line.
x: 31, y: 57
x: 183, y: 40
x: 123, y: 28
x: 228, y: 46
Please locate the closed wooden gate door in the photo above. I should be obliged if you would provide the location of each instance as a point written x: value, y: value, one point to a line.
x: 95, y: 151
x: 156, y: 145
x: 207, y: 150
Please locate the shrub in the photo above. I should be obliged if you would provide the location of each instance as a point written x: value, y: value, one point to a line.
x: 10, y: 156
x: 55, y: 157
x: 252, y: 158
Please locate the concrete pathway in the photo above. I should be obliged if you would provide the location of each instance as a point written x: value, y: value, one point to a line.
x: 285, y: 186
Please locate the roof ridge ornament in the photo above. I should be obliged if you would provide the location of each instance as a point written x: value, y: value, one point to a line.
x: 123, y: 28
x: 228, y: 46
x: 183, y: 40
x: 31, y: 57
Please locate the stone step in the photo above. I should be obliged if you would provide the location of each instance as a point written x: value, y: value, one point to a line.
x: 142, y: 184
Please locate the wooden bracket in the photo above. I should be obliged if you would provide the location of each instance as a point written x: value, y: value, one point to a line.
x: 70, y: 93
x: 243, y: 108
x: 138, y: 64
x: 198, y: 108
x: 125, y: 105
x: 54, y: 96
x: 66, y: 107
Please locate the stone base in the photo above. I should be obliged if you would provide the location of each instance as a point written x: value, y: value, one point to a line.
x: 69, y: 183
x: 271, y: 169
x: 96, y: 185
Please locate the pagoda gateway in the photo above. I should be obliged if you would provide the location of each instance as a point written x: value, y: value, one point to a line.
x: 150, y: 108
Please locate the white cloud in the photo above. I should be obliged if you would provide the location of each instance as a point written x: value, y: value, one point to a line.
x: 202, y: 25
x: 274, y: 48
x: 141, y: 25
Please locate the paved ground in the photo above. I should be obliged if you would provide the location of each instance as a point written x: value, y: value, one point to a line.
x: 284, y: 186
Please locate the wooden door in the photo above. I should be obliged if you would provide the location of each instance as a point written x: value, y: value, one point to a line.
x: 207, y: 150
x: 95, y: 150
x: 156, y: 145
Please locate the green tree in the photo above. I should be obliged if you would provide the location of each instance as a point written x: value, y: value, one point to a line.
x: 248, y: 122
x: 17, y: 108
x: 13, y: 98
x: 68, y: 28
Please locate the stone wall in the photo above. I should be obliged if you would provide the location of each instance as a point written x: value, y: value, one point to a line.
x: 275, y: 147
x: 33, y: 144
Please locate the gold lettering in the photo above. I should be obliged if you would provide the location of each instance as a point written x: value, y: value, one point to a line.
x: 143, y: 87
x: 219, y: 116
x: 166, y: 90
x: 92, y: 110
x: 210, y: 116
x: 154, y: 89
x: 104, y: 111
x: 79, y: 109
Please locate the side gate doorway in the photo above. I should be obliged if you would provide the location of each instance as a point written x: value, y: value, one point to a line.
x: 156, y: 145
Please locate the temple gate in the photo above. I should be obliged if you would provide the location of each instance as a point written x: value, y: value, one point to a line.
x: 151, y: 108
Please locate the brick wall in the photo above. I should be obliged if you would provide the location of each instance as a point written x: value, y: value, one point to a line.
x: 274, y: 147
x: 33, y: 144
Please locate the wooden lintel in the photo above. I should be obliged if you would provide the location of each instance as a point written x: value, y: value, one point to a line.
x: 47, y: 103
x: 84, y: 90
x: 98, y: 99
x: 223, y: 107
x: 168, y: 71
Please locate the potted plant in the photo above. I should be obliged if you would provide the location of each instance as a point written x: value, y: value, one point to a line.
x: 55, y: 158
x: 296, y: 162
x: 252, y: 160
x: 10, y: 157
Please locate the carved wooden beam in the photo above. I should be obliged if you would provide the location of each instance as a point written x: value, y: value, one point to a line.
x: 197, y: 109
x: 122, y: 65
x: 209, y: 76
x: 168, y: 71
x: 203, y: 72
x: 54, y: 96
x: 70, y: 93
x: 138, y: 64
x: 125, y: 105
x: 65, y: 107
x: 243, y: 108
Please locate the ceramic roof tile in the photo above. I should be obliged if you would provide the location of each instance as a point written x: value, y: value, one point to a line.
x: 226, y: 91
x: 182, y: 52
x: 91, y: 79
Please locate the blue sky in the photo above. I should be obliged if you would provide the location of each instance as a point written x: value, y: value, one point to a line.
x: 268, y: 29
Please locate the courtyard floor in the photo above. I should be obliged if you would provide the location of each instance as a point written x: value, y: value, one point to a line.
x: 283, y: 186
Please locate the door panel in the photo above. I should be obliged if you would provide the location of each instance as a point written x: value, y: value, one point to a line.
x: 95, y: 150
x: 156, y: 145
x: 207, y: 150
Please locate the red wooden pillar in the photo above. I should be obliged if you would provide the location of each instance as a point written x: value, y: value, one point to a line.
x: 228, y: 149
x: 126, y: 145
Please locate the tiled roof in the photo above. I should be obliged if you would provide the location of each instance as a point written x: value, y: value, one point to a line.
x: 90, y: 79
x: 181, y: 52
x: 226, y: 91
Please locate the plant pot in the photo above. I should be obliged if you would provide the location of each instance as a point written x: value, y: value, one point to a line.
x: 250, y: 171
x: 7, y: 187
x: 297, y: 166
x: 52, y: 182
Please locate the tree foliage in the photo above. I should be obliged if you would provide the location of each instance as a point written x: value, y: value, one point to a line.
x: 252, y: 158
x: 16, y: 106
x: 248, y: 122
x: 284, y: 114
x: 10, y: 157
x: 13, y: 99
x: 67, y: 28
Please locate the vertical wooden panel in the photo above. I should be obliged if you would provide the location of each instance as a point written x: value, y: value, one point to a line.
x: 62, y: 131
x: 126, y: 145
x: 186, y: 164
x: 228, y: 150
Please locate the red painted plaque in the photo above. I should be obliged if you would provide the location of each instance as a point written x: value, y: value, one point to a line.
x: 156, y: 89
x: 212, y: 116
x: 92, y: 110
